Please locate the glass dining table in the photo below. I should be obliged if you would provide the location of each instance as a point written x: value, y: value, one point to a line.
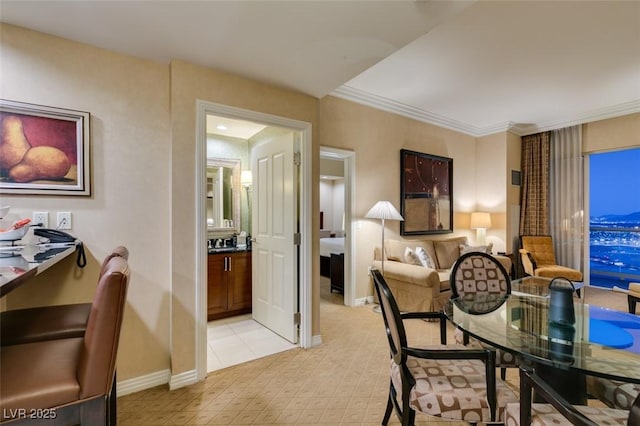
x: 601, y: 342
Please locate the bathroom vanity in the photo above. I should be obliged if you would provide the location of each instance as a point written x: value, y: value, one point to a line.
x: 228, y: 282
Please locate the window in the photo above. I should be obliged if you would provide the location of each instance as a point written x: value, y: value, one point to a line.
x: 614, y: 224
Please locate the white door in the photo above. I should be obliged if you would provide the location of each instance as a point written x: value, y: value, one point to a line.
x: 274, y: 255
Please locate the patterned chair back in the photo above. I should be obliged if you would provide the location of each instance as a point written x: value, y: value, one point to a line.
x: 392, y: 318
x: 482, y: 277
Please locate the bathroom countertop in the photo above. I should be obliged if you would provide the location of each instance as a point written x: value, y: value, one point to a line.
x: 227, y: 250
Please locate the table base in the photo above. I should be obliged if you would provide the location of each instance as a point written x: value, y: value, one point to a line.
x: 570, y: 384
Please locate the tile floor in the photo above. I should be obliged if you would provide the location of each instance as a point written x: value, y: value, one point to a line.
x: 234, y: 340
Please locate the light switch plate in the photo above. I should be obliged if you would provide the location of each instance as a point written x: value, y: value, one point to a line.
x: 64, y: 220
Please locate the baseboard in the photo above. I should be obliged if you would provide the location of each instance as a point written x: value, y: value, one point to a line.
x: 316, y: 340
x: 363, y: 301
x: 137, y: 384
x: 183, y: 379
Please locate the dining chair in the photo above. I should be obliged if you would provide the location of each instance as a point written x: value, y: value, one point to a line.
x: 558, y: 411
x: 449, y: 381
x: 482, y: 276
x: 41, y: 323
x: 70, y: 379
x: 614, y: 393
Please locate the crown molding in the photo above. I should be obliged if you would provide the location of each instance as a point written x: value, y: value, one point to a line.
x: 385, y: 104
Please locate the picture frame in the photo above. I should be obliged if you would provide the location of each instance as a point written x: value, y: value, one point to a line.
x: 426, y: 193
x: 61, y: 163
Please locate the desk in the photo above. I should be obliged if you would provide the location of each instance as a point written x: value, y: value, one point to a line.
x: 19, y: 263
x: 603, y: 342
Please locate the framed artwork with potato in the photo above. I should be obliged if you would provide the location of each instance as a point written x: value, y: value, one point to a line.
x: 43, y: 150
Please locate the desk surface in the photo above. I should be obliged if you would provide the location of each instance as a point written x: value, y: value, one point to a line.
x: 19, y: 263
x: 603, y: 342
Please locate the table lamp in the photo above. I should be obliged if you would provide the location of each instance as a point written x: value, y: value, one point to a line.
x: 480, y: 221
x: 383, y: 210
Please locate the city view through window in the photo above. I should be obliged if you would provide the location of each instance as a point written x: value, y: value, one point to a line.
x: 614, y: 207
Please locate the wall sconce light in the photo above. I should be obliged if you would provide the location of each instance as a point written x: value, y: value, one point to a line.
x: 480, y: 221
x: 246, y: 179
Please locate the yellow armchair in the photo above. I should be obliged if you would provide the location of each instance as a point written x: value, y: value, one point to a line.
x: 539, y: 259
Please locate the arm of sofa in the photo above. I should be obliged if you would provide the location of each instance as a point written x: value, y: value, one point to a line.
x: 413, y: 274
x: 505, y: 261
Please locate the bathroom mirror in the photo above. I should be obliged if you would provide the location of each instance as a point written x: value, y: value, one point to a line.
x: 223, y: 194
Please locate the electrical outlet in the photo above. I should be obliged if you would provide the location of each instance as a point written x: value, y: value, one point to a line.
x: 64, y: 220
x: 41, y: 218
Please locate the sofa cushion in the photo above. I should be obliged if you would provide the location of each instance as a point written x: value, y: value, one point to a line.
x: 425, y: 258
x: 418, y: 257
x: 465, y: 248
x: 448, y: 251
x: 395, y: 248
x: 411, y: 257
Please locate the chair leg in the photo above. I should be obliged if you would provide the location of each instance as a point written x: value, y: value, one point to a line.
x: 113, y: 404
x: 388, y: 411
x: 632, y: 303
x: 503, y: 373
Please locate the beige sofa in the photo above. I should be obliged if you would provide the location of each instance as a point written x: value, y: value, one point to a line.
x: 417, y: 288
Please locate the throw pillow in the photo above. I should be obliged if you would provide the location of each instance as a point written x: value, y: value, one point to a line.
x: 425, y: 259
x: 410, y: 257
x: 464, y: 249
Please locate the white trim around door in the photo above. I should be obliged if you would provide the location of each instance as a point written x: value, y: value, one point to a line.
x: 349, y: 161
x: 202, y: 109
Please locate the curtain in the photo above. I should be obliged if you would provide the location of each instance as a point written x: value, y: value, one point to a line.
x: 534, y: 191
x: 566, y: 192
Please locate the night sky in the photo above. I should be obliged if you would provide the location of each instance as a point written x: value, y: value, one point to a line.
x: 614, y: 182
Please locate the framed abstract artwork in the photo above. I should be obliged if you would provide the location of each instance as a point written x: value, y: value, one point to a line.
x: 426, y: 191
x: 43, y: 150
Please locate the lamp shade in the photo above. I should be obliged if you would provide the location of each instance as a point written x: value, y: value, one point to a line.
x: 384, y: 210
x: 480, y: 220
x: 246, y: 178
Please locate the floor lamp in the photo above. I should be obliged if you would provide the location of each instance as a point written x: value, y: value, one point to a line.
x: 383, y: 210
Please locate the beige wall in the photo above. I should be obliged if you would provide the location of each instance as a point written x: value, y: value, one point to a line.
x: 491, y: 186
x: 190, y: 83
x: 128, y: 99
x: 377, y: 137
x: 611, y: 134
x: 143, y: 162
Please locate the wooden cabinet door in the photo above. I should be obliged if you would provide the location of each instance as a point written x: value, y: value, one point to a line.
x: 239, y: 289
x: 216, y: 284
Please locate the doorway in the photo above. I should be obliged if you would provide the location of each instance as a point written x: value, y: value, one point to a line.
x: 302, y: 279
x: 344, y: 220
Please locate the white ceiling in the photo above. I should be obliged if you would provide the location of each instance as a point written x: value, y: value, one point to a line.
x: 477, y: 67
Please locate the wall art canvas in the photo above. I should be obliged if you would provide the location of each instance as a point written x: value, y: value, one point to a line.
x: 426, y: 193
x: 43, y: 150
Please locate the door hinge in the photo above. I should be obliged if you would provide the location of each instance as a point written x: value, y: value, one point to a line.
x: 297, y: 159
x: 297, y: 239
x: 297, y: 318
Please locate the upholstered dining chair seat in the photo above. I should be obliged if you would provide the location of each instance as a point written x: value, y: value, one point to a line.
x: 558, y: 411
x: 453, y: 389
x: 546, y: 415
x: 29, y: 325
x: 613, y: 393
